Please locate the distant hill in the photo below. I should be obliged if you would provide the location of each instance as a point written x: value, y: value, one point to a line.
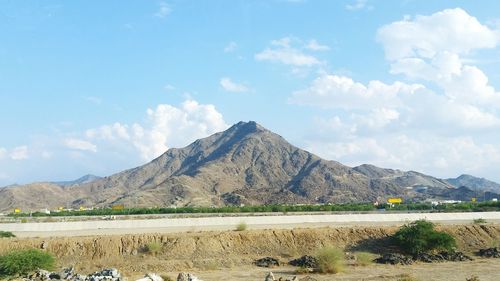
x: 410, y: 179
x: 475, y: 183
x: 246, y: 164
x: 82, y: 180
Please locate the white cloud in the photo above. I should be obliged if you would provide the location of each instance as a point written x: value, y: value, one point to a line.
x: 78, y: 144
x: 163, y: 11
x: 19, y: 153
x: 332, y: 91
x: 378, y: 118
x: 445, y: 131
x: 168, y: 87
x: 313, y: 45
x: 231, y: 47
x: 283, y: 52
x: 430, y: 48
x: 287, y: 56
x: 451, y: 30
x: 3, y: 152
x: 167, y: 126
x: 358, y: 5
x: 228, y: 85
x: 94, y: 100
x: 435, y: 155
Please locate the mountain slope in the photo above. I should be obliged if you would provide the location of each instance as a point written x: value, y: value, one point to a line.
x: 81, y: 180
x: 475, y: 183
x: 33, y: 196
x: 409, y: 179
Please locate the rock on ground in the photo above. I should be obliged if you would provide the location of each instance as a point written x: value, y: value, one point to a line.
x: 305, y: 261
x: 489, y: 253
x: 184, y: 276
x: 267, y: 262
x: 394, y: 259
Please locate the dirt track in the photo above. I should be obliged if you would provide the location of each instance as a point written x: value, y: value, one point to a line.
x: 211, y: 254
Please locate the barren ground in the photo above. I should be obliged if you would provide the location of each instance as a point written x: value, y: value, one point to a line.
x: 228, y: 255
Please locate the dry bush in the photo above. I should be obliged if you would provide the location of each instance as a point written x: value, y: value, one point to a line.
x: 407, y: 277
x: 241, y: 226
x: 153, y: 247
x: 364, y: 258
x: 330, y: 260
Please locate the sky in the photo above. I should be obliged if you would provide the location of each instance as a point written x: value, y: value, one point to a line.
x: 96, y: 87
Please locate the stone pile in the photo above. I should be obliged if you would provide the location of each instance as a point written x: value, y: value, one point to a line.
x: 184, y: 276
x: 305, y: 262
x: 267, y: 262
x: 489, y: 253
x: 423, y: 257
x: 270, y: 277
x: 442, y: 256
x: 69, y: 274
x: 394, y: 259
x: 151, y: 277
x: 455, y: 256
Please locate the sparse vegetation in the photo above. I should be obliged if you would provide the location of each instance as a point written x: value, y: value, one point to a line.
x: 420, y: 237
x: 153, y: 248
x: 241, y: 226
x: 407, y: 277
x: 348, y: 207
x: 364, y: 258
x: 211, y: 265
x: 479, y: 221
x: 302, y: 270
x: 24, y: 261
x: 330, y: 260
x: 166, y: 278
x: 6, y: 234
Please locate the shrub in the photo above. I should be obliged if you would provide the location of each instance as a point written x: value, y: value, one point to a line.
x: 22, y: 262
x: 330, y: 260
x: 407, y: 277
x: 479, y: 221
x: 6, y: 234
x: 241, y: 226
x: 364, y: 258
x: 153, y: 248
x: 420, y: 237
x: 166, y: 278
x: 472, y: 278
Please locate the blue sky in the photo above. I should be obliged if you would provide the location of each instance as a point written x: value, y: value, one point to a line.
x: 101, y: 86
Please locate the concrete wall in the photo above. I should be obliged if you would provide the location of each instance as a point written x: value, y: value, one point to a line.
x: 275, y: 220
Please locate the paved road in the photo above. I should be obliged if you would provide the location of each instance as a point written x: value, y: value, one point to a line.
x: 82, y: 228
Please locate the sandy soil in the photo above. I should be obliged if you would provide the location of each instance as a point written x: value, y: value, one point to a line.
x: 484, y: 269
x: 215, y: 255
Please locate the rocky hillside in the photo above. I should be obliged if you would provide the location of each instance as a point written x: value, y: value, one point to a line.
x: 475, y: 183
x: 246, y: 164
x: 81, y: 180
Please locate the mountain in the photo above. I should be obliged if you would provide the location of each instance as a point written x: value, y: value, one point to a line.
x: 82, y: 180
x: 409, y: 179
x: 475, y: 183
x: 33, y: 196
x: 246, y: 164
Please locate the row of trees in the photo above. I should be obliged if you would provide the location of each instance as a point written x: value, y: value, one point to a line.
x: 351, y: 207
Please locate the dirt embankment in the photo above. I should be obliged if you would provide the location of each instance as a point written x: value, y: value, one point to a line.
x: 205, y: 250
